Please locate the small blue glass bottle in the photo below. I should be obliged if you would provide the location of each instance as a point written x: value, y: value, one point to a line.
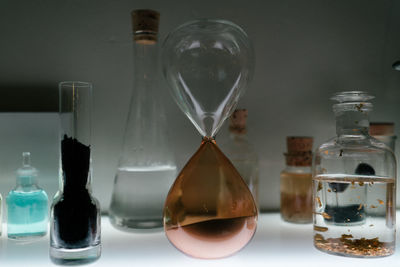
x: 27, y: 205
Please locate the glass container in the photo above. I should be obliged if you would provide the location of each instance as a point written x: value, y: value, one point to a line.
x: 241, y: 152
x: 146, y: 167
x: 296, y: 181
x: 27, y: 205
x: 384, y: 132
x: 354, y: 185
x: 75, y: 213
x: 209, y: 211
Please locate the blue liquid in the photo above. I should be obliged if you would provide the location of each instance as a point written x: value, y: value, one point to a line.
x: 27, y: 214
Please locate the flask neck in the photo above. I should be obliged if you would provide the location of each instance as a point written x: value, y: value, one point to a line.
x: 145, y: 141
x: 26, y: 175
x: 352, y: 123
x: 145, y: 63
x: 26, y: 181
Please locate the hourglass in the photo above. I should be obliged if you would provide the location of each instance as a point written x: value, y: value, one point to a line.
x: 209, y: 211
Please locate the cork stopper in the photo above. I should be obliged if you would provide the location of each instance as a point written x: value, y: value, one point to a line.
x: 299, y: 150
x: 381, y: 128
x: 299, y: 143
x: 145, y: 26
x: 237, y: 123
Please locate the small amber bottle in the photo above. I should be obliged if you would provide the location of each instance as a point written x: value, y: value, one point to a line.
x: 296, y: 181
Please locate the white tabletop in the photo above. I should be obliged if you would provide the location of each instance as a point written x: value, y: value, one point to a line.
x: 275, y: 243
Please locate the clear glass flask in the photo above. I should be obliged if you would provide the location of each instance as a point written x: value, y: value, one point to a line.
x: 354, y: 181
x: 241, y: 152
x: 296, y: 181
x: 27, y: 205
x: 75, y: 213
x: 146, y: 167
x: 209, y: 211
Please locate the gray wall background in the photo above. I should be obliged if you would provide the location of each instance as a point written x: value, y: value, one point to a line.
x: 305, y: 51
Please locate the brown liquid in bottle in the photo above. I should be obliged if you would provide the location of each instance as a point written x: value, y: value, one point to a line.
x: 209, y: 212
x: 296, y: 197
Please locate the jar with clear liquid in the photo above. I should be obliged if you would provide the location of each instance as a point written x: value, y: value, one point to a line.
x: 27, y: 205
x: 241, y: 152
x: 146, y: 167
x: 209, y: 211
x: 354, y: 185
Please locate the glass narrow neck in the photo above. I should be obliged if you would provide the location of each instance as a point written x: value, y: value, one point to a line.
x: 145, y: 67
x: 26, y: 180
x: 352, y: 122
x: 26, y: 159
x: 145, y: 63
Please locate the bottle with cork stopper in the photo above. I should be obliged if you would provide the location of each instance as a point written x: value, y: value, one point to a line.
x: 241, y: 152
x: 146, y: 167
x: 296, y: 181
x: 354, y: 182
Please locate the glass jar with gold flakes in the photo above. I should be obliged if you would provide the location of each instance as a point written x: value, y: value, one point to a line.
x: 354, y: 185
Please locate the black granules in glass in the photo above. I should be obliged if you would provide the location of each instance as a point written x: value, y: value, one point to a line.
x: 75, y: 214
x: 349, y: 213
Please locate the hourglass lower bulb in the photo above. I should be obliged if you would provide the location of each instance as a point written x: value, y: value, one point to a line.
x: 209, y: 211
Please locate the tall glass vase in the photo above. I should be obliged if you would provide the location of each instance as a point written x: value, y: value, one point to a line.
x: 146, y: 167
x: 75, y: 213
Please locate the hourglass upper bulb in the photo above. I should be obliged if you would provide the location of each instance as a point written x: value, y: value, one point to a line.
x: 208, y: 64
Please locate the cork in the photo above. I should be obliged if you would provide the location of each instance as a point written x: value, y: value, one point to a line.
x: 299, y: 143
x: 145, y: 25
x: 381, y: 128
x: 238, y: 119
x: 299, y: 150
